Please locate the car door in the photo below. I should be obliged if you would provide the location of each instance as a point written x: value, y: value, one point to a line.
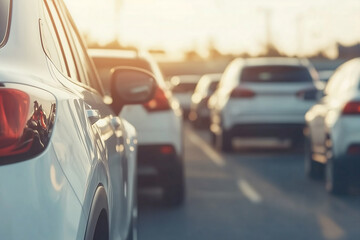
x: 107, y: 128
x: 112, y: 132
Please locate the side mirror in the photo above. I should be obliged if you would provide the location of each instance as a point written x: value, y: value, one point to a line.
x: 131, y: 85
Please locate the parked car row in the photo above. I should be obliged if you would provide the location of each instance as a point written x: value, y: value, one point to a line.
x: 285, y: 98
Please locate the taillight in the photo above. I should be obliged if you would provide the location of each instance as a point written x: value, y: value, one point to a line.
x: 27, y: 115
x: 14, y: 108
x: 354, y: 149
x: 351, y: 108
x: 242, y: 93
x: 159, y: 102
x: 308, y: 94
x: 167, y: 149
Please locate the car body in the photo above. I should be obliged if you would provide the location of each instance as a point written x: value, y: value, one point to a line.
x: 67, y: 162
x: 182, y: 87
x: 333, y: 130
x: 262, y: 97
x: 199, y: 111
x: 159, y: 125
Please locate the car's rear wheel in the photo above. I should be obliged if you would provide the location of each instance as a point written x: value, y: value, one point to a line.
x: 313, y: 169
x: 102, y: 227
x: 224, y: 141
x: 336, y: 179
x: 174, y: 192
x: 133, y: 230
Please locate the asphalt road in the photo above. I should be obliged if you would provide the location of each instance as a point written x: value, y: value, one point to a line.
x: 253, y: 193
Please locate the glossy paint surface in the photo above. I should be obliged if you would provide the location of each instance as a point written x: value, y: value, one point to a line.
x: 49, y: 195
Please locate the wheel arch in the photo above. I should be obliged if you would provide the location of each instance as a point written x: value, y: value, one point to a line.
x: 99, y: 206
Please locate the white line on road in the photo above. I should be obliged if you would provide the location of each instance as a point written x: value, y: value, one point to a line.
x: 330, y: 229
x: 249, y: 191
x: 211, y: 153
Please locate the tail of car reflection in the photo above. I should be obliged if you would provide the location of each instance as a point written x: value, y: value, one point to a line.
x: 27, y: 116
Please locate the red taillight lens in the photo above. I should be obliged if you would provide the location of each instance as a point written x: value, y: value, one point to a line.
x: 354, y: 149
x: 14, y: 110
x: 159, y: 102
x: 27, y: 117
x: 242, y: 93
x: 351, y: 108
x: 167, y: 150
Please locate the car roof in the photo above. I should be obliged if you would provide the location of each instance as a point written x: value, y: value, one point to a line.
x: 185, y: 78
x: 212, y: 76
x: 117, y: 53
x: 276, y: 61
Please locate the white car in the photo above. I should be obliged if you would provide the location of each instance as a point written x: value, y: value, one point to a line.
x: 182, y: 87
x: 199, y: 112
x: 262, y: 97
x: 333, y: 131
x: 158, y: 122
x: 67, y: 162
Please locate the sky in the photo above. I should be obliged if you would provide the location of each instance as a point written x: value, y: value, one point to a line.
x: 299, y: 27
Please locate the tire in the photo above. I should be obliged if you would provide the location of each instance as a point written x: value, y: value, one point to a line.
x: 313, y: 169
x: 102, y: 228
x: 98, y: 223
x: 213, y: 139
x: 133, y: 230
x: 336, y: 178
x: 224, y: 142
x: 174, y: 194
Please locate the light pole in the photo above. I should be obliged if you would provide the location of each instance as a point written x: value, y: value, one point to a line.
x: 268, y: 15
x: 117, y: 7
x: 299, y: 27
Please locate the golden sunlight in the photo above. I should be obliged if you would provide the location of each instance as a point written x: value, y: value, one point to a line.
x: 294, y: 27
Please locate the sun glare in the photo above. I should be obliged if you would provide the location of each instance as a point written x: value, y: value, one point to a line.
x: 295, y: 27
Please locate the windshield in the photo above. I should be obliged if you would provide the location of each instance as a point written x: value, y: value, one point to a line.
x: 184, y: 87
x: 267, y: 74
x: 4, y: 16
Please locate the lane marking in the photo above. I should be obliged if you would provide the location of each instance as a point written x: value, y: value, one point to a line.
x: 329, y: 228
x: 249, y: 191
x: 211, y: 153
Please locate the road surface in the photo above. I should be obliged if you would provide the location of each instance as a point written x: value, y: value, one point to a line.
x: 252, y: 194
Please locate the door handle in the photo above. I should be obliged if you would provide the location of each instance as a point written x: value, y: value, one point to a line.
x: 93, y: 115
x: 115, y: 122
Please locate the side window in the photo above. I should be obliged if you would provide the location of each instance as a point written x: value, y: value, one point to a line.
x: 51, y: 44
x: 60, y: 32
x: 85, y: 63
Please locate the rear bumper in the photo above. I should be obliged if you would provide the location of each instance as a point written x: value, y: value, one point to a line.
x: 156, y: 168
x: 267, y: 130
